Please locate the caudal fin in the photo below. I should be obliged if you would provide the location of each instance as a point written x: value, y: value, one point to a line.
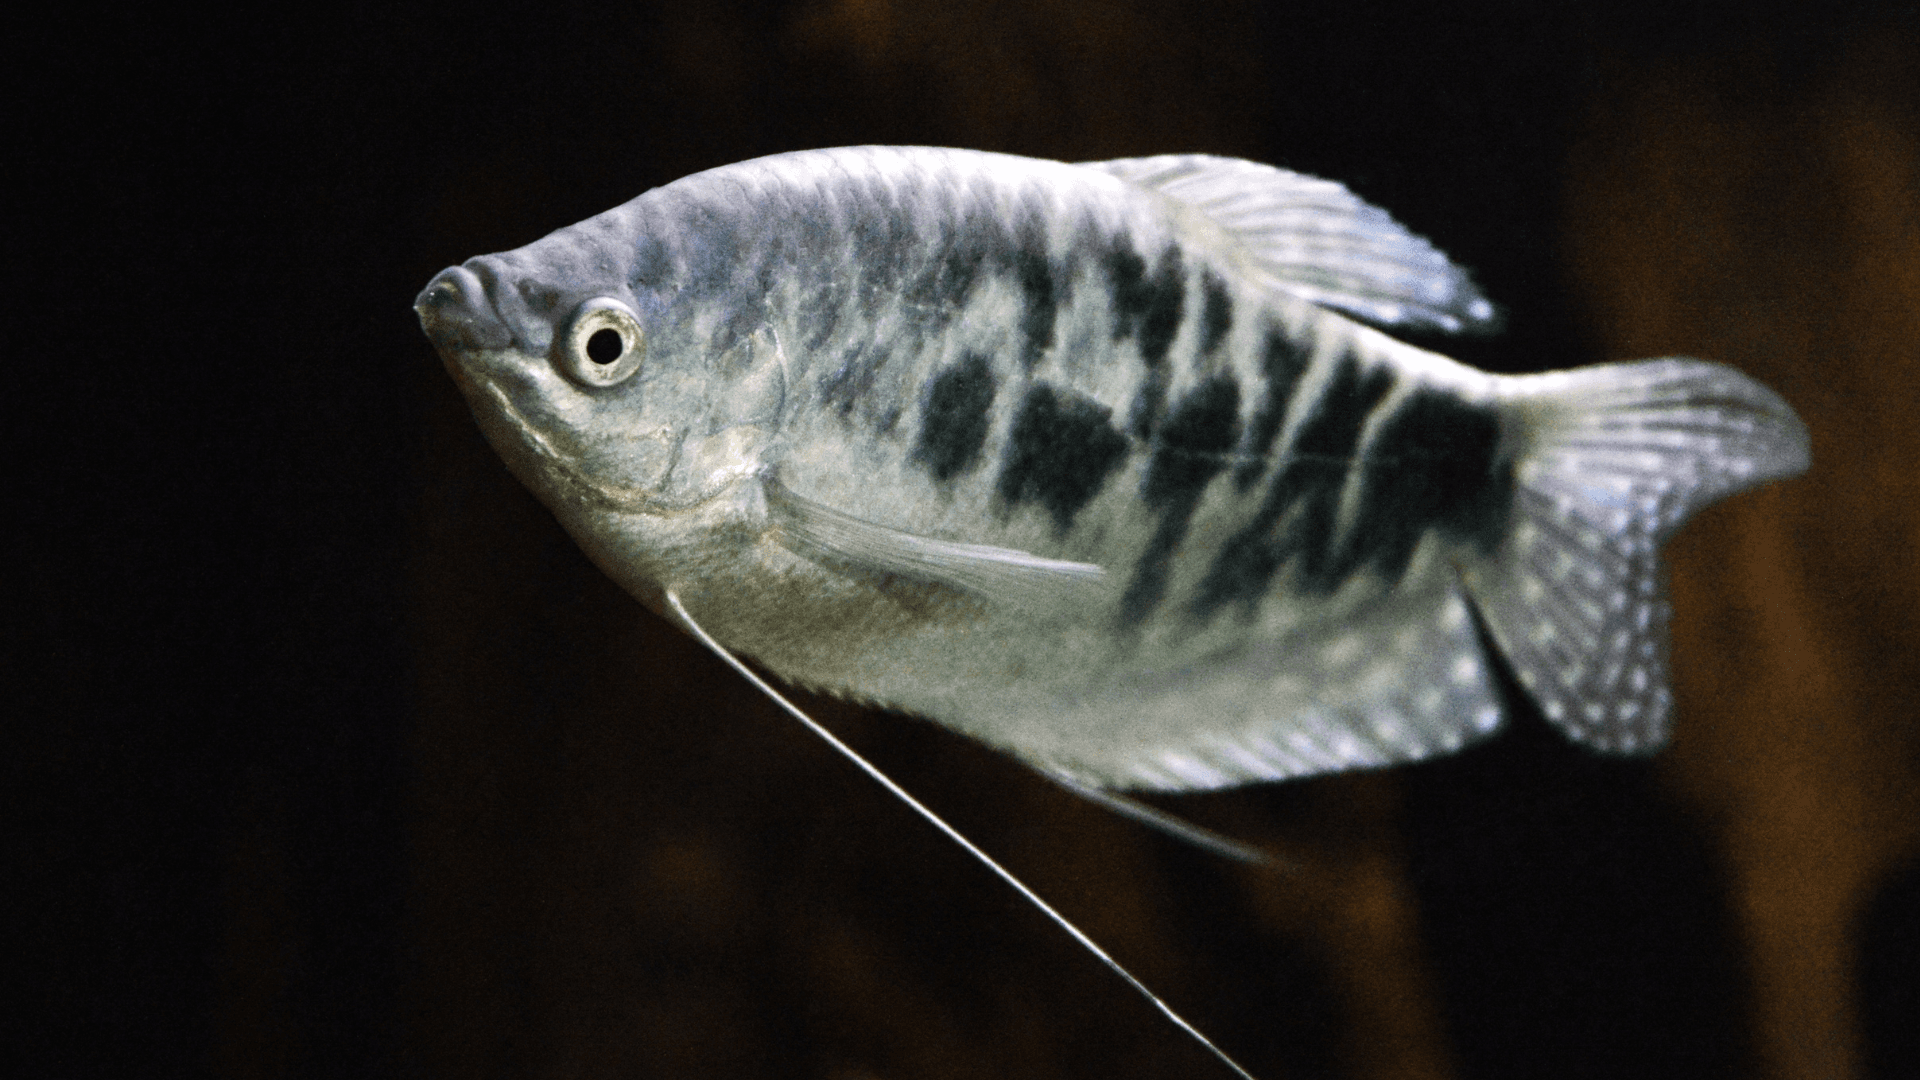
x: 1608, y: 462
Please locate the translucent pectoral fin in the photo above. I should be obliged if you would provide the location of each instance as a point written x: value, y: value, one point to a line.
x: 1155, y: 818
x: 692, y: 626
x: 997, y: 575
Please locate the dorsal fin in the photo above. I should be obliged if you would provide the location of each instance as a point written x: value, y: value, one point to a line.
x: 1317, y: 240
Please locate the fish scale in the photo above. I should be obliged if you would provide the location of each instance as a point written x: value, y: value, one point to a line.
x: 1060, y: 448
x: 1106, y: 465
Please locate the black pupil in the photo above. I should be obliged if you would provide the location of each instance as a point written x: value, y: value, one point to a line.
x: 605, y: 346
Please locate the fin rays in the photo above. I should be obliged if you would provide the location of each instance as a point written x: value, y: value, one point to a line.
x: 894, y: 789
x: 1614, y: 459
x: 1317, y: 240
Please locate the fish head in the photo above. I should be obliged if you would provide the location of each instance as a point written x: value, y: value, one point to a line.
x: 604, y: 388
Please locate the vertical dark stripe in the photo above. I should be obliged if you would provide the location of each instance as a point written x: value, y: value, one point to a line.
x: 1060, y: 451
x: 1432, y: 465
x: 1146, y: 307
x: 1155, y: 308
x: 820, y: 315
x: 1216, y: 317
x: 1126, y: 287
x: 1166, y: 305
x: 1143, y: 415
x: 1192, y: 449
x: 957, y: 269
x: 720, y: 263
x: 1282, y: 361
x: 970, y: 245
x: 1308, y: 484
x: 886, y: 249
x: 652, y: 267
x: 1333, y: 440
x: 1040, y: 298
x: 954, y: 425
x: 813, y: 242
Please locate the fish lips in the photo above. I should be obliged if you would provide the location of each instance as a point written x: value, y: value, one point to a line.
x: 457, y: 316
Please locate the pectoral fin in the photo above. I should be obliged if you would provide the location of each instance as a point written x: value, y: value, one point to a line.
x: 1155, y: 818
x: 996, y: 575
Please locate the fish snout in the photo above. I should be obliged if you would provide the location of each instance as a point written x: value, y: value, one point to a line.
x: 457, y: 315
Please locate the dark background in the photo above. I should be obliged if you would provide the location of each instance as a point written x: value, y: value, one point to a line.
x: 329, y: 756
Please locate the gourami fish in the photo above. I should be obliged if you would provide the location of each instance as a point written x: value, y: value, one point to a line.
x: 1110, y: 465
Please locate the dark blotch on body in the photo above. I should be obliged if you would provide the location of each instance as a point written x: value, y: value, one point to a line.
x: 1192, y: 449
x: 1143, y: 415
x: 1195, y: 443
x: 1166, y: 303
x: 1126, y: 285
x: 954, y: 424
x: 959, y: 269
x: 1434, y: 464
x: 1307, y: 484
x: 712, y: 250
x: 1041, y: 306
x: 1282, y: 361
x: 1216, y: 315
x: 1059, y: 453
x: 807, y: 236
x: 1146, y: 307
x: 1149, y: 308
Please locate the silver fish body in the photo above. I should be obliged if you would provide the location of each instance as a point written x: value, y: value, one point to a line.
x: 1090, y: 462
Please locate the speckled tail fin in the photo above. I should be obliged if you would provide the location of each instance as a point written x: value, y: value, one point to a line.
x: 1607, y: 462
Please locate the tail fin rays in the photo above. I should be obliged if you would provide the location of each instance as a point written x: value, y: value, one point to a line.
x: 1609, y: 462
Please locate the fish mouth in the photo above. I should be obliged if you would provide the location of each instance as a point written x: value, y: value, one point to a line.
x: 456, y: 313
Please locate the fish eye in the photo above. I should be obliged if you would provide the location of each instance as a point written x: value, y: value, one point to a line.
x: 603, y: 345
